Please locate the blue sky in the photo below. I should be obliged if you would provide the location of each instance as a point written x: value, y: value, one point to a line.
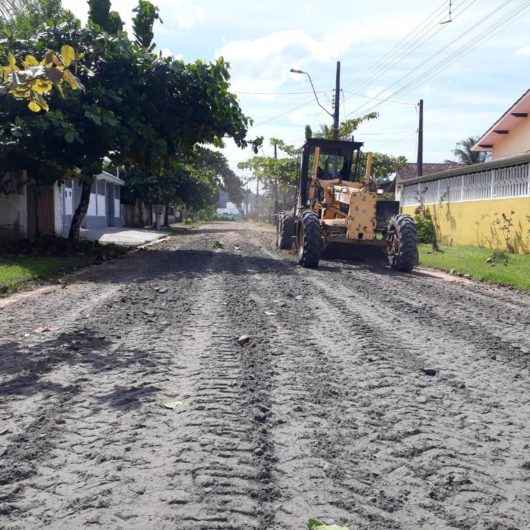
x: 263, y: 40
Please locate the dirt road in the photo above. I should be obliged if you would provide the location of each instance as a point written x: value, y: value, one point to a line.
x: 374, y: 399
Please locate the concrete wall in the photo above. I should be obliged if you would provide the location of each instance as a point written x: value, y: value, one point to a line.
x: 517, y: 142
x: 481, y: 223
x: 13, y: 215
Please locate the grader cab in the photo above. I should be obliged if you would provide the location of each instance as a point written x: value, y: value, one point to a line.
x: 339, y: 205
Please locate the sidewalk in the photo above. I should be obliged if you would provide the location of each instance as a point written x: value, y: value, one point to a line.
x: 129, y: 237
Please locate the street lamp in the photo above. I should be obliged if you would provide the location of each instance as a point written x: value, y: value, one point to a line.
x: 295, y: 71
x: 335, y: 115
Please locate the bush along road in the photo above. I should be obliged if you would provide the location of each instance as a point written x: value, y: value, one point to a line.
x: 210, y: 383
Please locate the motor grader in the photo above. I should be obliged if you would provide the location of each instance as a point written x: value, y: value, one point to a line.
x: 338, y: 205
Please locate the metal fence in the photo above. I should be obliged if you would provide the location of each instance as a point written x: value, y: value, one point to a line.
x: 491, y: 183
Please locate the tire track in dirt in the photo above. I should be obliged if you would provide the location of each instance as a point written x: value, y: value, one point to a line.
x: 327, y: 412
x: 102, y: 425
x: 450, y: 480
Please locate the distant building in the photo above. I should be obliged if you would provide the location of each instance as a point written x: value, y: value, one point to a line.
x: 224, y: 206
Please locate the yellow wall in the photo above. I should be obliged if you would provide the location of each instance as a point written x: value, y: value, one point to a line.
x: 480, y: 223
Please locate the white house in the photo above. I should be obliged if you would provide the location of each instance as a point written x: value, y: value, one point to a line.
x: 104, y: 208
x: 23, y: 212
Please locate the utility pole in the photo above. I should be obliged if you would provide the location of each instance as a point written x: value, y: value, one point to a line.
x: 420, y: 141
x: 336, y: 114
x: 257, y: 199
x: 275, y: 186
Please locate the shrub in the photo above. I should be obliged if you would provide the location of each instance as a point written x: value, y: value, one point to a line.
x: 425, y: 227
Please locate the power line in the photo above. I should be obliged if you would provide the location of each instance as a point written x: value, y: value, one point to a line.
x: 411, y: 48
x: 397, y: 47
x: 465, y: 49
x: 492, y: 30
x: 432, y: 56
x: 274, y: 118
x: 364, y: 96
x: 441, y: 50
x: 306, y: 92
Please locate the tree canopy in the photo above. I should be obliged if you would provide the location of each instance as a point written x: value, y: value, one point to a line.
x: 101, y: 16
x: 146, y: 16
x: 145, y: 113
x: 346, y: 128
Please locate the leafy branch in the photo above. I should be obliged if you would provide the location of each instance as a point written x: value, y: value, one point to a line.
x: 34, y: 79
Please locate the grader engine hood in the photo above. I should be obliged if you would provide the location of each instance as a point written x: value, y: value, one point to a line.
x: 361, y: 221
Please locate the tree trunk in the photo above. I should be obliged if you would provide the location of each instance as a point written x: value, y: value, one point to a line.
x: 80, y: 212
x: 137, y: 218
x: 37, y: 227
x: 166, y: 215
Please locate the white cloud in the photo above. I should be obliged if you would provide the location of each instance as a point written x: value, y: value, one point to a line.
x: 262, y: 64
x: 166, y: 52
x: 175, y: 14
x: 523, y: 51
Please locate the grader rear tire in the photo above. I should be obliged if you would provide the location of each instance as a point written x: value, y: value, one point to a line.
x: 402, y: 243
x: 286, y: 232
x: 309, y: 241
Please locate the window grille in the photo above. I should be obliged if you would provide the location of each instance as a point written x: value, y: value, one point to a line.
x: 451, y: 189
x: 477, y: 186
x: 511, y: 182
x: 430, y: 192
x: 409, y: 196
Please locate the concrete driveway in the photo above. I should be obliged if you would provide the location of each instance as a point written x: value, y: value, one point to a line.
x: 130, y: 237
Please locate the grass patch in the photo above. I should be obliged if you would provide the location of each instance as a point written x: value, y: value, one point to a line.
x: 24, y: 262
x: 18, y: 270
x: 480, y: 264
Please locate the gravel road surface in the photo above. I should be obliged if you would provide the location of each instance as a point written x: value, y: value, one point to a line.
x: 363, y: 397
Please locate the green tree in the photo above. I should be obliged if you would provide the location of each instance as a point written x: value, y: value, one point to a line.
x: 146, y: 113
x: 464, y: 153
x: 278, y: 175
x: 385, y: 166
x: 146, y: 16
x: 215, y: 163
x: 100, y: 15
x: 346, y: 128
x: 32, y: 16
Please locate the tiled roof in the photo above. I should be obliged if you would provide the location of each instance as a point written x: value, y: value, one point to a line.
x: 410, y: 171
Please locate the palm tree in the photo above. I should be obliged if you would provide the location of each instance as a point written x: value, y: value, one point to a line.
x: 464, y: 153
x: 346, y: 128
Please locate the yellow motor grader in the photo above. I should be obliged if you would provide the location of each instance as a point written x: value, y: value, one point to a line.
x: 337, y: 205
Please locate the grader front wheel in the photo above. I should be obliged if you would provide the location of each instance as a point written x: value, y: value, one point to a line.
x: 309, y: 241
x: 286, y: 232
x: 402, y: 243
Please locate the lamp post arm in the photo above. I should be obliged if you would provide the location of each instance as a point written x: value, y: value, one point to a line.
x: 316, y: 96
